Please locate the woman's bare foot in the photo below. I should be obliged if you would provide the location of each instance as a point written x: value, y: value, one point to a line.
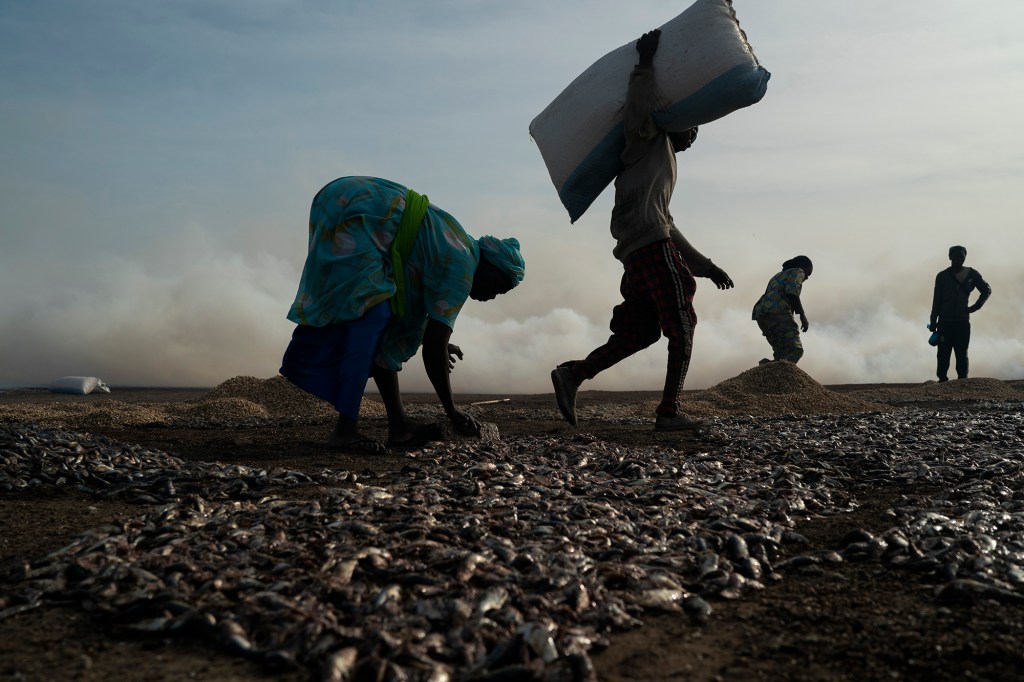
x: 347, y: 437
x: 414, y: 434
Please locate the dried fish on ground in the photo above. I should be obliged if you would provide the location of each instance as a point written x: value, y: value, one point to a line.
x: 520, y: 556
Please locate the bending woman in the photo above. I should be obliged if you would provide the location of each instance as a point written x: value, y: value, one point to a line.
x: 387, y: 272
x: 775, y: 309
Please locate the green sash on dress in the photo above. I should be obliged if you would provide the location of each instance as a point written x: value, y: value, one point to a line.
x: 415, y: 208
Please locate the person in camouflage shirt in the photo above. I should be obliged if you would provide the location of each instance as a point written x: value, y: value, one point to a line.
x: 774, y: 311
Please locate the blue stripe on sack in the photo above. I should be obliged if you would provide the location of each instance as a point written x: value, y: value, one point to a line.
x: 593, y: 174
x: 735, y: 89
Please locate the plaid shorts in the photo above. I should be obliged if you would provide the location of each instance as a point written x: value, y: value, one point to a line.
x: 658, y: 275
x: 657, y: 298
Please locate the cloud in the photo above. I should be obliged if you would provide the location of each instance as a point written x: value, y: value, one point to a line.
x: 160, y: 161
x: 191, y: 317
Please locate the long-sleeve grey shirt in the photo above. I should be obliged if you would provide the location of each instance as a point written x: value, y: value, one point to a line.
x: 643, y: 188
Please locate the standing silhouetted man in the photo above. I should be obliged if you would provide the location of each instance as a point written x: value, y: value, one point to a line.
x: 951, y: 312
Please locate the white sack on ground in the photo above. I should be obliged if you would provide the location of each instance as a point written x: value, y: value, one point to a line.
x: 78, y: 385
x: 705, y: 68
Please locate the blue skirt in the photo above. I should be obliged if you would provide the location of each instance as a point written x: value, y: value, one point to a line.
x: 334, y: 362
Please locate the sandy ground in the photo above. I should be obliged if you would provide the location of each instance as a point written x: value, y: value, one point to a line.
x: 853, y: 621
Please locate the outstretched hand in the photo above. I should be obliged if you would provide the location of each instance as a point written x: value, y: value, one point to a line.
x: 454, y: 352
x: 720, y: 277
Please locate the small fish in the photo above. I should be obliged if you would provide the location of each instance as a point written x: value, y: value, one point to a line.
x: 340, y: 666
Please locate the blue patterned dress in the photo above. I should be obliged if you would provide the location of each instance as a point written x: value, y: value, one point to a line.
x: 348, y: 271
x: 344, y: 319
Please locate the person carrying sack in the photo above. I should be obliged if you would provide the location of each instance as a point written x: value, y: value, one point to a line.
x: 659, y: 263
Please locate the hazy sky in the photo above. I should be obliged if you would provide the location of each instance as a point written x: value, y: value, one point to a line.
x: 159, y: 158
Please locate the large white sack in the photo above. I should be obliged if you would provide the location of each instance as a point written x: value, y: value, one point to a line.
x: 704, y: 66
x: 78, y: 385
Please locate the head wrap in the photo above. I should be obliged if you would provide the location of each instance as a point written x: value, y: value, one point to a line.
x: 957, y: 248
x: 797, y: 262
x: 504, y: 254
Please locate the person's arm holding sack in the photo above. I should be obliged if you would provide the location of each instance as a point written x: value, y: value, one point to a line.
x: 641, y: 99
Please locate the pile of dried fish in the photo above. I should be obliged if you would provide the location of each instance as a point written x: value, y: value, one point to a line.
x: 513, y: 560
x: 513, y: 557
x: 53, y: 459
x: 968, y: 537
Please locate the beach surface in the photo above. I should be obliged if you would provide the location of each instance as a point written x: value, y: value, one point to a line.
x: 841, y: 616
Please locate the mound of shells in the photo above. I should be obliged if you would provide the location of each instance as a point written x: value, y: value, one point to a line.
x: 281, y: 398
x: 959, y: 390
x: 84, y: 415
x: 777, y: 388
x: 238, y: 401
x: 770, y: 389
